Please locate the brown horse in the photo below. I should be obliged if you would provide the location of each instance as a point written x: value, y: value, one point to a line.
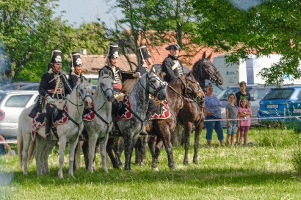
x: 161, y: 128
x: 192, y: 113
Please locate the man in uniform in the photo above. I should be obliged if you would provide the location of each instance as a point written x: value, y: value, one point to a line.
x: 171, y: 66
x: 76, y: 69
x: 145, y: 60
x: 54, y: 88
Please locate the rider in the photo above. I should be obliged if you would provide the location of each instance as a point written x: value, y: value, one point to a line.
x: 145, y: 63
x: 54, y: 88
x: 172, y: 66
x: 118, y: 75
x: 76, y: 69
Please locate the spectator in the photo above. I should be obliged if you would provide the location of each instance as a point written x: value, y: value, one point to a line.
x: 244, y: 114
x: 213, y: 112
x: 231, y: 116
x: 6, y: 145
x: 239, y: 95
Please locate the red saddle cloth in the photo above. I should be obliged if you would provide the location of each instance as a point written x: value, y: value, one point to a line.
x: 89, y: 115
x: 124, y: 113
x: 163, y: 112
x: 39, y: 120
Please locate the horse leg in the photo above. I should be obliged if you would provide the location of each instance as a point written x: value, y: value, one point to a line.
x: 62, y: 145
x: 138, y: 151
x: 49, y: 146
x: 156, y: 152
x: 187, y: 131
x: 85, y: 149
x: 92, y: 144
x: 38, y: 154
x: 168, y: 149
x: 143, y: 149
x: 102, y: 147
x: 196, y: 142
x: 109, y: 149
x: 128, y: 146
x: 26, y: 139
x: 118, y: 148
x: 151, y: 143
x: 72, y: 147
x: 76, y: 164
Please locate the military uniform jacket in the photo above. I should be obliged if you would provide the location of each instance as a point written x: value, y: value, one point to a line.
x: 49, y: 82
x: 74, y: 79
x: 172, y: 67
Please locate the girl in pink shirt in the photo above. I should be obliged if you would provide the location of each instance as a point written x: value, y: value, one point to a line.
x: 244, y: 115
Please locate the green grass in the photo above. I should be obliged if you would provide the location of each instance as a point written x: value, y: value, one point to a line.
x: 262, y: 171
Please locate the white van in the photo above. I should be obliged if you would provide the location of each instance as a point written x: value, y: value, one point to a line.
x: 248, y: 70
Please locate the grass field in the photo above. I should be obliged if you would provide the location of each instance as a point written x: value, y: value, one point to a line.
x: 261, y: 171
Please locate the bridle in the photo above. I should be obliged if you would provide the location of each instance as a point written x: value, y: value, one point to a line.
x: 149, y: 84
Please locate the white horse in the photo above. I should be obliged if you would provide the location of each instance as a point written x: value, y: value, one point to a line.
x: 68, y: 132
x: 148, y: 84
x: 102, y: 124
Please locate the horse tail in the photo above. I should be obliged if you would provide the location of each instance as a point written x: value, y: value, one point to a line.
x: 31, y: 149
x: 20, y: 145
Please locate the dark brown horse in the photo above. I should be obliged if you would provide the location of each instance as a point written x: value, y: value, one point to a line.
x: 161, y: 128
x: 192, y: 113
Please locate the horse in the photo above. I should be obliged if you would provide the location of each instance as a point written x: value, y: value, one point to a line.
x: 101, y: 125
x: 204, y: 69
x: 162, y: 128
x: 192, y: 113
x: 80, y: 98
x: 148, y: 84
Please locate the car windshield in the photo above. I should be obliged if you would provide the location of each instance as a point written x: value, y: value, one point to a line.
x: 223, y: 96
x: 279, y: 93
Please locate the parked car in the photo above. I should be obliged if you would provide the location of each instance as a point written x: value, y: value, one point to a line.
x: 12, y: 103
x: 280, y: 102
x: 21, y: 86
x: 257, y: 92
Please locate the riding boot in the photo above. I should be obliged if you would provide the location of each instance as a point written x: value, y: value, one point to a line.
x: 47, y: 129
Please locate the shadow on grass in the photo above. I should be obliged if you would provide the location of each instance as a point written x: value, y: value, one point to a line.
x: 193, y: 177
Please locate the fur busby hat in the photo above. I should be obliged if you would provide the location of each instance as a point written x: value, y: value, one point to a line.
x: 173, y: 46
x: 113, y: 51
x: 143, y: 53
x: 76, y: 60
x: 56, y: 56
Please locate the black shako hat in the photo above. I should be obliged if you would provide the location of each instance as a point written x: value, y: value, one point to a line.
x: 173, y: 46
x: 56, y: 56
x: 76, y: 60
x: 113, y: 51
x: 143, y: 53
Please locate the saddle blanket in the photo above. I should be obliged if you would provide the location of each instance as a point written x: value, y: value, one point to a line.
x: 124, y: 112
x: 39, y: 120
x: 162, y: 112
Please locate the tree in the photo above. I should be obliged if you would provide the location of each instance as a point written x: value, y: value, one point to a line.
x: 155, y: 22
x: 272, y: 26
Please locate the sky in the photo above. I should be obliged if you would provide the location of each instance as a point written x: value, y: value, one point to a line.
x: 85, y: 11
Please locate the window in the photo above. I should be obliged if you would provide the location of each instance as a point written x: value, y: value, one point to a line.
x: 17, y: 101
x: 281, y: 93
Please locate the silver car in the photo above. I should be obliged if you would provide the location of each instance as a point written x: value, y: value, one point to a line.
x: 12, y: 103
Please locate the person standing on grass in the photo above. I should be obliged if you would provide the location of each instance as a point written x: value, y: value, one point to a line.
x: 6, y: 145
x: 244, y: 115
x: 213, y: 112
x: 239, y: 95
x: 231, y: 116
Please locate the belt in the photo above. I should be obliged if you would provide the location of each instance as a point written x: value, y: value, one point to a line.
x: 58, y: 91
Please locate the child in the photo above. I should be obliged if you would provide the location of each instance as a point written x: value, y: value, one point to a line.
x: 242, y: 93
x: 244, y: 115
x: 231, y: 115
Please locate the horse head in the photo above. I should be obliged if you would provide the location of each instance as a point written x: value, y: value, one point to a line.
x: 105, y: 84
x: 84, y: 90
x: 157, y: 87
x: 192, y: 88
x: 204, y: 69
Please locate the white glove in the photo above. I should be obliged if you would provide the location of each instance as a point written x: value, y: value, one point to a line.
x: 67, y: 97
x: 49, y: 99
x: 138, y: 74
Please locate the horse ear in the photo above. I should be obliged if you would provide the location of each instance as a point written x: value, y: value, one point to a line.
x: 209, y: 57
x: 101, y: 73
x: 89, y: 80
x: 110, y: 73
x: 204, y: 55
x: 81, y: 79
